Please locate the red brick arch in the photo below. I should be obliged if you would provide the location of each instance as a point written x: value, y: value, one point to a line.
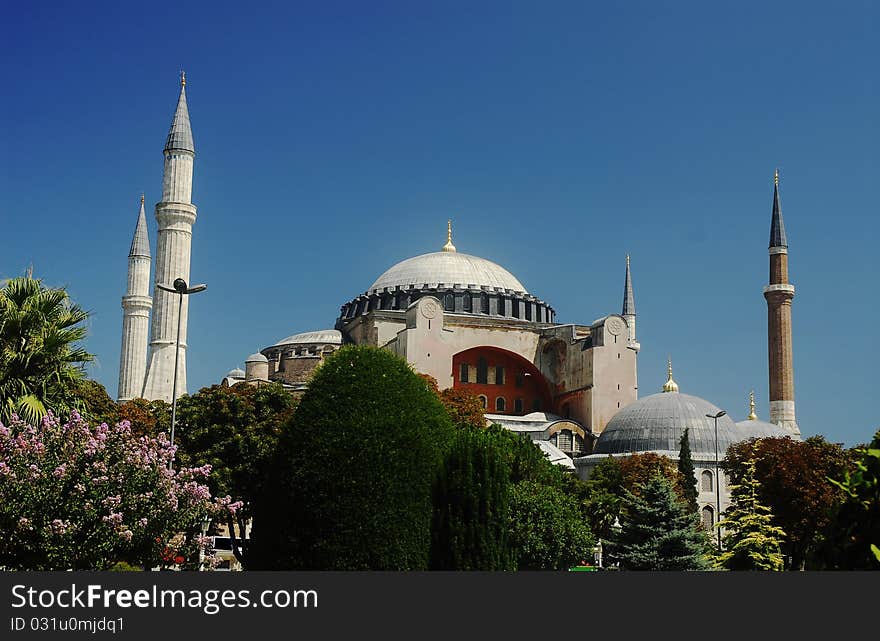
x: 533, y: 386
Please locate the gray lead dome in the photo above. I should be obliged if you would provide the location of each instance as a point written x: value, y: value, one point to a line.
x: 656, y: 423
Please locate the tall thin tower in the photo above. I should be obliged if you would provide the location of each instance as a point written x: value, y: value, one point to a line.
x: 175, y: 215
x: 629, y: 309
x: 779, y: 294
x: 136, y: 306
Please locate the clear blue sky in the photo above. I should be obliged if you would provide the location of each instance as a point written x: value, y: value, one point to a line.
x: 334, y: 139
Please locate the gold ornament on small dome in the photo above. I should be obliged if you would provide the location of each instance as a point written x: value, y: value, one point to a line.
x: 752, y: 415
x: 670, y: 385
x: 449, y: 247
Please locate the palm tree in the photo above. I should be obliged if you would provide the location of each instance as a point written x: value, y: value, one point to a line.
x: 40, y: 363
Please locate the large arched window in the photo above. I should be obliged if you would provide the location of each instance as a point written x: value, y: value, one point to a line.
x: 482, y: 371
x: 706, y: 480
x: 449, y: 303
x: 707, y: 516
x: 500, y: 404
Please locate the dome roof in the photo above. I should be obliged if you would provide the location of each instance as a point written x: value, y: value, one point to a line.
x: 235, y: 373
x: 760, y: 429
x: 449, y: 268
x: 656, y: 423
x: 257, y: 358
x: 329, y: 336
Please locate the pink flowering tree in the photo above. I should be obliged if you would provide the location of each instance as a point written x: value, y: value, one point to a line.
x: 79, y: 497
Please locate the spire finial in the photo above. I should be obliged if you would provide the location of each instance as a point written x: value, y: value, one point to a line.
x: 670, y: 385
x: 183, y: 78
x: 142, y: 198
x: 627, y: 260
x: 752, y: 415
x: 449, y: 247
x: 776, y: 177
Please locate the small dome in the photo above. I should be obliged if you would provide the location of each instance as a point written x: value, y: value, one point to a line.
x: 760, y: 429
x: 325, y: 336
x: 235, y: 373
x: 656, y: 423
x: 257, y: 358
x: 449, y: 268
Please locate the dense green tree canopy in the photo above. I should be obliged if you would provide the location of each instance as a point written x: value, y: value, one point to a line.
x: 687, y: 480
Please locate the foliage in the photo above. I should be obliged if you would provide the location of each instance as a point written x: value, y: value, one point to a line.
x: 751, y: 541
x: 234, y: 430
x: 40, y: 361
x: 350, y: 485
x: 638, y: 469
x: 658, y: 532
x: 97, y: 406
x: 471, y: 504
x: 793, y: 483
x: 687, y: 479
x: 83, y: 498
x: 147, y: 418
x: 605, y: 490
x: 547, y: 528
x: 855, y: 531
x: 464, y: 407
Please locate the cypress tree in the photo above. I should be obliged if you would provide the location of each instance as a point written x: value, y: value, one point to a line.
x: 658, y: 532
x: 751, y: 541
x: 471, y: 504
x: 688, y: 479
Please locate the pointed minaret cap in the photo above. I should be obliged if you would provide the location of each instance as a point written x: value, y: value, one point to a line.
x: 752, y: 415
x: 629, y: 301
x: 448, y: 247
x: 180, y: 136
x: 140, y: 244
x: 670, y: 385
x: 777, y: 228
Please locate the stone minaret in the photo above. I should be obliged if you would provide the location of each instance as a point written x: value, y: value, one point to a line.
x: 629, y: 308
x: 175, y: 215
x: 779, y: 294
x: 136, y: 306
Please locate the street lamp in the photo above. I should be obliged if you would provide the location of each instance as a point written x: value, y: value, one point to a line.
x: 180, y: 287
x: 717, y: 478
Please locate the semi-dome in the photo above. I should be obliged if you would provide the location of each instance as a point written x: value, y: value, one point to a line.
x: 325, y: 336
x: 235, y: 373
x: 449, y: 268
x: 256, y: 358
x: 753, y: 428
x: 656, y: 423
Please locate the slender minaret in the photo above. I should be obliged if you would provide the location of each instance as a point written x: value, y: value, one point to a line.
x: 629, y: 308
x: 136, y: 306
x: 175, y: 215
x: 779, y: 294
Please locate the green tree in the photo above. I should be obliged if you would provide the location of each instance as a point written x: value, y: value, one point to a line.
x: 97, y: 405
x: 855, y: 530
x: 464, y: 407
x: 751, y: 541
x: 687, y: 481
x: 40, y: 361
x: 234, y: 430
x: 658, y: 532
x: 547, y: 528
x: 605, y: 489
x: 793, y: 478
x: 471, y: 504
x: 351, y: 484
x: 147, y: 418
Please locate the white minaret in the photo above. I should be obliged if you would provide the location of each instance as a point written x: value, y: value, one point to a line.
x: 629, y: 309
x: 175, y: 215
x: 136, y: 306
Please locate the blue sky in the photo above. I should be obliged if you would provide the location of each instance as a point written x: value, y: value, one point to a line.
x: 334, y: 139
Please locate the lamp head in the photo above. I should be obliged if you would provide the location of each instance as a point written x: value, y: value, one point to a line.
x: 180, y: 285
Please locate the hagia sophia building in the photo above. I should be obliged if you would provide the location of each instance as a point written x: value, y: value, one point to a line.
x: 468, y: 322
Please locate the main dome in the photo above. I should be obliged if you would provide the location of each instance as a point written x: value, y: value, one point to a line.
x: 449, y: 268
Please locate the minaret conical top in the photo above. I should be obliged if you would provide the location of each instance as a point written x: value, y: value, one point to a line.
x: 449, y: 247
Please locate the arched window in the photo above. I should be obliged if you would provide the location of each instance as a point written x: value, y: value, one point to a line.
x: 463, y: 373
x: 706, y: 478
x: 564, y: 441
x: 484, y: 303
x: 502, y: 306
x: 449, y: 303
x: 500, y: 404
x: 466, y: 302
x: 401, y: 301
x: 482, y: 371
x: 536, y: 405
x: 518, y: 406
x: 528, y: 311
x: 499, y: 375
x: 483, y: 400
x: 707, y: 515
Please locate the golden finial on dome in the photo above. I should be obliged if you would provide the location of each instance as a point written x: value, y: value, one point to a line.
x: 776, y: 177
x: 752, y: 415
x: 449, y: 247
x: 670, y: 385
x: 183, y: 79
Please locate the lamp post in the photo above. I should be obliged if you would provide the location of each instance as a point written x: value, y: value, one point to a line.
x: 180, y: 287
x: 717, y: 478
